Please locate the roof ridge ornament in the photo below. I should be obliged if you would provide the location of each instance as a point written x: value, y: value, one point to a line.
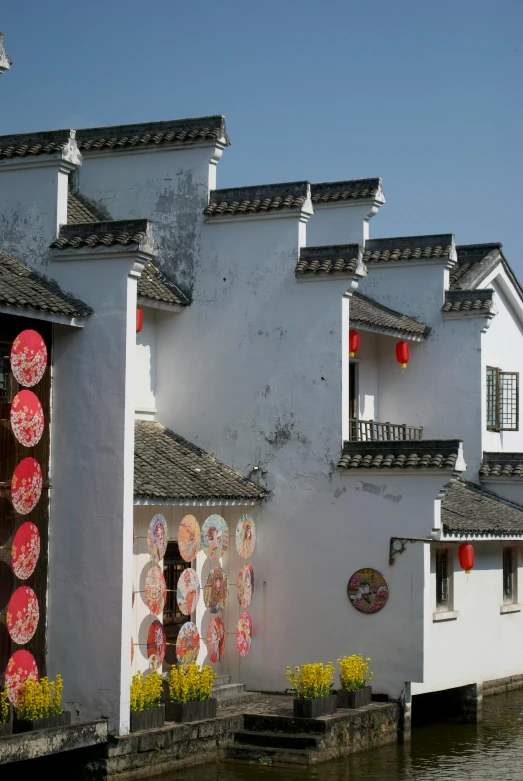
x: 5, y: 60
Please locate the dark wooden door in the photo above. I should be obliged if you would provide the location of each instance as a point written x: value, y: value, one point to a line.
x: 173, y: 618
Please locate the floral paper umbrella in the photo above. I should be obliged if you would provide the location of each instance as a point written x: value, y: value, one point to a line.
x: 22, y: 615
x: 25, y: 550
x: 28, y: 358
x: 215, y: 590
x: 26, y: 486
x: 187, y: 591
x: 187, y: 644
x: 244, y: 634
x: 215, y: 639
x: 215, y: 537
x: 21, y: 666
x: 157, y: 538
x: 368, y: 590
x: 245, y: 585
x: 189, y: 538
x: 155, y: 590
x: 156, y: 645
x: 245, y: 536
x: 27, y: 418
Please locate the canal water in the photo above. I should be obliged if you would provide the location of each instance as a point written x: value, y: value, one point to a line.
x: 490, y: 751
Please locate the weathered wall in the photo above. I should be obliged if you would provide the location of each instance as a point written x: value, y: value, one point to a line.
x: 340, y: 223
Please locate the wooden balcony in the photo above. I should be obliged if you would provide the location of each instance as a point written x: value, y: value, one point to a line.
x: 373, y: 431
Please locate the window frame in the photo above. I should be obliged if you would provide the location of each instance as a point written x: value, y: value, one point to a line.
x: 499, y: 400
x: 510, y: 579
x: 448, y: 604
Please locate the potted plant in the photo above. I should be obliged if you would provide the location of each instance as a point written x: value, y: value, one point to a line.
x: 146, y: 693
x: 190, y: 690
x: 311, y: 686
x: 354, y: 691
x: 5, y: 726
x: 40, y: 705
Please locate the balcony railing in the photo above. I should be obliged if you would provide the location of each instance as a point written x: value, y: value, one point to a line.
x: 373, y: 431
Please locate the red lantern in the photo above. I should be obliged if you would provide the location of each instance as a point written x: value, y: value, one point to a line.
x: 402, y: 354
x: 139, y: 320
x: 466, y: 557
x: 354, y: 342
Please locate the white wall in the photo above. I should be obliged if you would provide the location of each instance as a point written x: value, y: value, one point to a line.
x: 145, y: 374
x: 481, y: 644
x: 344, y: 223
x: 367, y: 376
x: 92, y: 440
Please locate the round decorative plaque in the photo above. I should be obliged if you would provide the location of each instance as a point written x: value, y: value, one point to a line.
x: 26, y: 485
x: 25, y: 550
x: 28, y: 358
x: 368, y: 591
x: 27, y: 418
x: 21, y: 666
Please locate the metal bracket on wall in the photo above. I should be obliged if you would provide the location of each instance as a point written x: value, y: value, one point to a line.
x: 398, y: 544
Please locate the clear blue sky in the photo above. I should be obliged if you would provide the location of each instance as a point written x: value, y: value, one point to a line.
x: 427, y: 95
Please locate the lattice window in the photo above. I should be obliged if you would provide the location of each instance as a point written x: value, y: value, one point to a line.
x: 502, y: 400
x: 442, y: 580
x: 509, y: 576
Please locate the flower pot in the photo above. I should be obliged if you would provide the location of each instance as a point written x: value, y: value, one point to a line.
x: 355, y: 699
x: 147, y: 719
x: 48, y: 722
x: 198, y: 710
x: 5, y: 729
x: 313, y: 708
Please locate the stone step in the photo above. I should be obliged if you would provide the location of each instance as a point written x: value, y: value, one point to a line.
x: 269, y: 756
x: 258, y: 723
x: 221, y: 680
x: 224, y: 692
x: 280, y: 740
x: 238, y: 699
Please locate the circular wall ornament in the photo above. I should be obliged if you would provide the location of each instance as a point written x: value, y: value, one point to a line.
x: 156, y: 645
x: 187, y: 591
x: 368, y: 590
x: 187, y: 643
x: 22, y: 615
x: 189, y: 538
x: 244, y: 634
x: 26, y: 486
x: 155, y: 590
x: 157, y: 537
x: 245, y: 536
x: 25, y: 550
x: 215, y: 537
x: 27, y: 418
x: 245, y: 586
x: 28, y: 358
x: 215, y: 639
x: 215, y: 590
x: 21, y: 666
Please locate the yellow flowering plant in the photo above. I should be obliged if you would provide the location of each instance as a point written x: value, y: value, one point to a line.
x: 40, y: 699
x: 354, y: 672
x: 190, y: 683
x: 4, y: 707
x: 311, y: 680
x: 146, y: 691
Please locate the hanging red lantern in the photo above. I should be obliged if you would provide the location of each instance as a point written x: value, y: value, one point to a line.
x: 139, y: 320
x: 402, y: 354
x: 466, y: 557
x: 354, y: 342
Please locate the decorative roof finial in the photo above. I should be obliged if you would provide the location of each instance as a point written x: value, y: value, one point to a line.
x: 5, y: 62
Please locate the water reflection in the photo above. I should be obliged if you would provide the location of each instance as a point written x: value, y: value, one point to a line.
x: 438, y: 752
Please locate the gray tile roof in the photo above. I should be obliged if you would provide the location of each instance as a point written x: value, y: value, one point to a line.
x: 153, y: 285
x: 466, y: 509
x: 475, y: 261
x: 168, y: 467
x: 408, y: 248
x: 336, y: 259
x: 502, y: 465
x: 21, y: 287
x: 95, y: 234
x: 27, y: 144
x: 365, y: 311
x: 173, y: 131
x: 348, y: 190
x: 80, y: 209
x: 258, y: 199
x: 421, y: 454
x: 469, y: 301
